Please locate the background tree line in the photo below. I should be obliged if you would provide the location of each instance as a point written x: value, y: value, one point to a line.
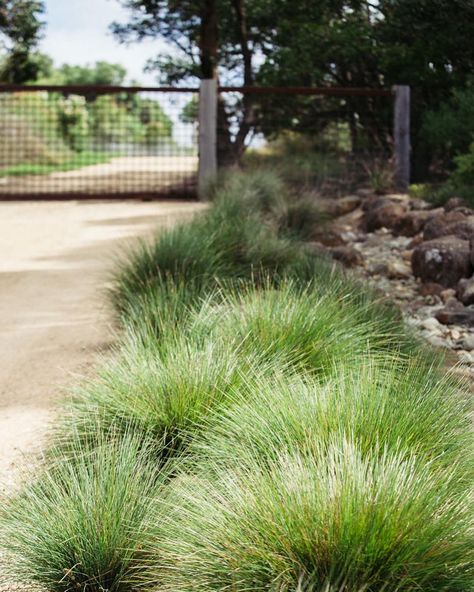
x: 426, y: 44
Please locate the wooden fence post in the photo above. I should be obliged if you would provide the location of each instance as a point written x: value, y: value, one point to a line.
x: 401, y: 136
x: 207, y: 134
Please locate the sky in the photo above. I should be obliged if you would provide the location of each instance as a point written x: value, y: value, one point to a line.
x: 77, y: 33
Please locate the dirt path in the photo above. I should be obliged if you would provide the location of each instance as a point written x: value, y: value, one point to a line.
x: 126, y: 174
x: 54, y: 260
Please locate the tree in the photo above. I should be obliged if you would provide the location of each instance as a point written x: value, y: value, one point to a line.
x: 20, y: 31
x: 208, y: 37
x: 101, y: 73
x: 368, y: 43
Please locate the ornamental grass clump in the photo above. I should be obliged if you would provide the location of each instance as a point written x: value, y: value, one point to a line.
x: 239, y: 238
x: 309, y: 328
x: 336, y: 520
x: 392, y: 405
x: 81, y: 523
x: 159, y: 392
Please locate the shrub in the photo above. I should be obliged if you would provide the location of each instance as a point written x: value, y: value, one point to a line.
x: 237, y: 239
x: 395, y: 405
x: 303, y: 218
x: 338, y: 520
x: 160, y: 392
x: 81, y: 523
x: 307, y: 327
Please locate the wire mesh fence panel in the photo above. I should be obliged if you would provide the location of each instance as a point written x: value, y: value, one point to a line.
x: 329, y: 142
x: 97, y: 142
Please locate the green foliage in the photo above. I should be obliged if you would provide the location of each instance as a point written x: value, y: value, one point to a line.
x: 450, y: 128
x: 310, y: 164
x: 337, y: 520
x: 306, y: 328
x: 81, y: 523
x: 238, y: 239
x: 46, y: 129
x: 74, y: 122
x: 159, y: 390
x: 267, y: 424
x: 464, y: 173
x: 20, y: 31
x: 410, y: 410
x: 303, y: 217
x: 77, y: 161
x: 344, y: 43
x: 101, y: 73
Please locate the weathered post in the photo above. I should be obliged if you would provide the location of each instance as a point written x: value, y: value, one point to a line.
x: 401, y: 136
x: 207, y: 134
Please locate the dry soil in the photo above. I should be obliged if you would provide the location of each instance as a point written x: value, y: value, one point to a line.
x: 55, y: 259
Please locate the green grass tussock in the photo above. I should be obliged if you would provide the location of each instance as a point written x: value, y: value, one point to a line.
x: 311, y: 328
x: 336, y: 521
x: 242, y: 237
x: 267, y: 424
x: 160, y: 393
x: 81, y: 524
x: 387, y: 406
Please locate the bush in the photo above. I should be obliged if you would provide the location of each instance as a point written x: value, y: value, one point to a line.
x: 409, y: 409
x: 160, y: 392
x: 339, y: 520
x: 312, y: 328
x: 238, y: 239
x: 81, y: 523
x: 304, y: 217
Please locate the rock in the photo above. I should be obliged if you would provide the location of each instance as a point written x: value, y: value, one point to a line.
x: 348, y: 256
x: 466, y: 357
x: 329, y: 237
x: 412, y: 223
x: 373, y: 201
x: 417, y: 240
x: 448, y: 295
x: 365, y: 192
x: 343, y: 205
x: 397, y: 270
x: 471, y: 244
x: 431, y: 324
x: 444, y: 261
x: 383, y: 214
x: 455, y: 334
x: 465, y: 291
x: 451, y: 316
x: 378, y: 269
x: 406, y: 255
x: 436, y: 340
x: 420, y: 204
x: 399, y: 197
x: 468, y: 342
x: 455, y: 202
x: 451, y: 223
x: 431, y: 289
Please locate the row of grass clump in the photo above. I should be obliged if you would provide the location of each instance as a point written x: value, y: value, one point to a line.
x: 266, y: 424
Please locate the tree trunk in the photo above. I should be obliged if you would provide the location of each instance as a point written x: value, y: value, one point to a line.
x: 248, y: 100
x: 209, y: 39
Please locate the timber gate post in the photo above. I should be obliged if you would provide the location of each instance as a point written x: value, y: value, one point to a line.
x: 207, y: 134
x: 401, y: 137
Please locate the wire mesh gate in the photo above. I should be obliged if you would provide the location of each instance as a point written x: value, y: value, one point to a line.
x: 327, y: 139
x: 61, y: 142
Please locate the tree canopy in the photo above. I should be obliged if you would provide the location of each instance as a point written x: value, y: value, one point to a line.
x: 20, y: 31
x: 372, y: 43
